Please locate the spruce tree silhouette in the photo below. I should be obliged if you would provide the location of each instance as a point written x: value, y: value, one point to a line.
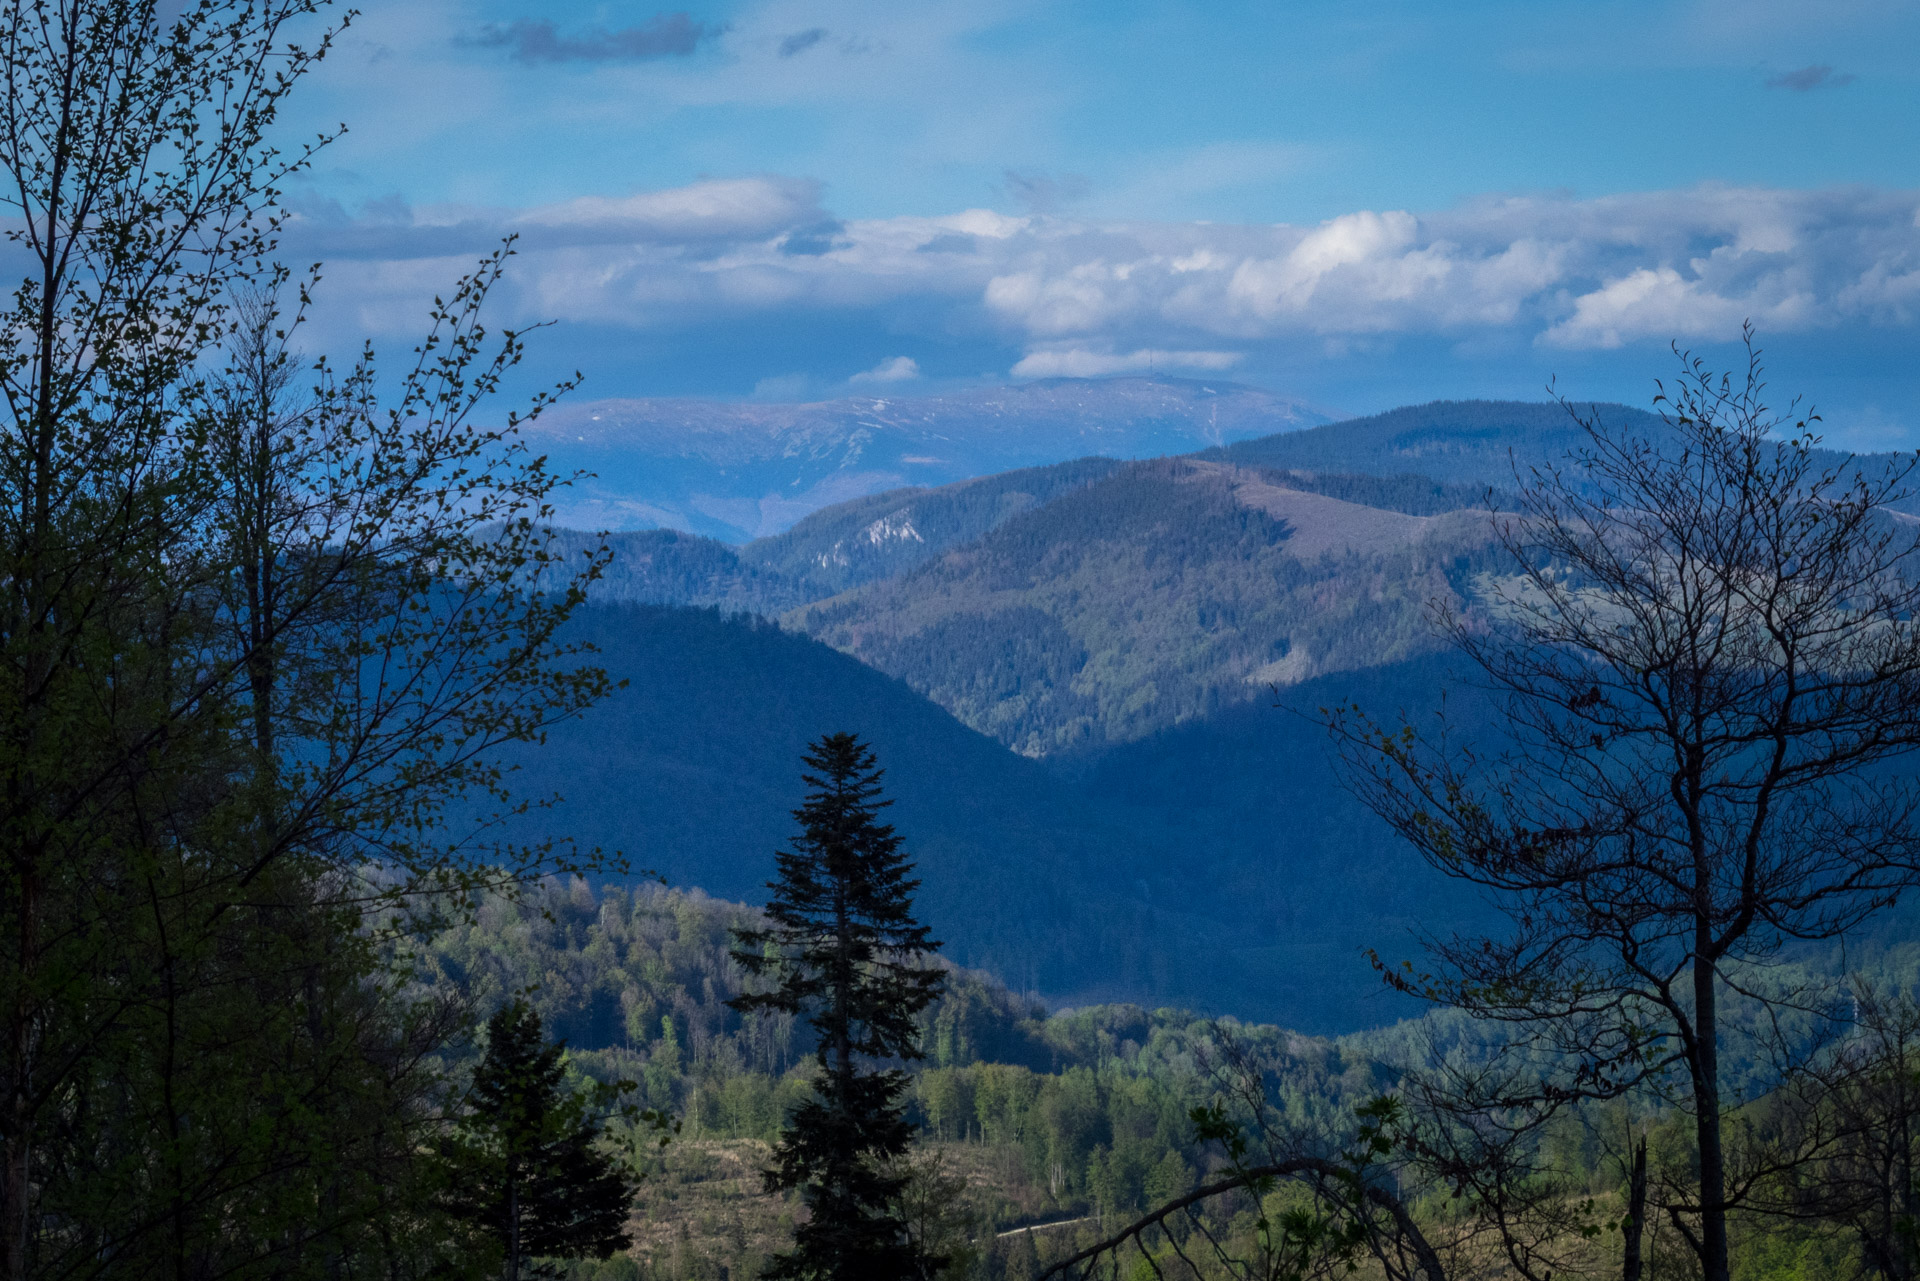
x: 525, y: 1169
x: 845, y: 951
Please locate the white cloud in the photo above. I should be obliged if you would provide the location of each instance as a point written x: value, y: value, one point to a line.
x: 1084, y: 294
x: 897, y: 370
x: 1077, y: 362
x: 1661, y: 303
x: 712, y: 209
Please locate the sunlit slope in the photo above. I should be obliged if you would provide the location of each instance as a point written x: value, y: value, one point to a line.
x: 1167, y: 591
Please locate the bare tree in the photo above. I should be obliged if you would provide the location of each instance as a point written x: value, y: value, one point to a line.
x: 1704, y: 657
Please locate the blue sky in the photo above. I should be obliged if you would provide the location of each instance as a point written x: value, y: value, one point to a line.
x: 1359, y: 204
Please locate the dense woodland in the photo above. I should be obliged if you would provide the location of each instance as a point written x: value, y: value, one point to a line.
x: 1076, y: 1115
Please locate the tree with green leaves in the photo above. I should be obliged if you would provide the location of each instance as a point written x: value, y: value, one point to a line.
x: 254, y: 642
x: 845, y: 951
x: 1320, y: 1201
x: 529, y: 1166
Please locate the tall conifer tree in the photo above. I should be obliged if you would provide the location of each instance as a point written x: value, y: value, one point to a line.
x: 845, y: 951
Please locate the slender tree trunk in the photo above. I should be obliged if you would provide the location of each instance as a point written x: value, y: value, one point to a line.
x: 513, y: 1222
x: 15, y: 1217
x: 1631, y: 1267
x: 1706, y: 1102
x: 1902, y: 1239
x: 842, y: 1039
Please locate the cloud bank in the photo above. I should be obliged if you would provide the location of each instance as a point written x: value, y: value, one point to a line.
x: 1083, y: 296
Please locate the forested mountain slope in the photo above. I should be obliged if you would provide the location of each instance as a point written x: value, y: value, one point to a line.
x: 858, y: 542
x: 1164, y: 592
x: 1152, y: 888
x: 1462, y: 442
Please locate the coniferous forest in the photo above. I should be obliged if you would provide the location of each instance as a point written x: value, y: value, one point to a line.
x: 1477, y: 840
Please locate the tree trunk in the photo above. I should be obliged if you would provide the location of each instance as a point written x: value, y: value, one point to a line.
x: 1635, y: 1226
x: 15, y: 1179
x: 1706, y: 1103
x: 513, y: 1223
x: 843, y: 1017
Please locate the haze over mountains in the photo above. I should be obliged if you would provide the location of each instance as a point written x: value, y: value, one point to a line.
x: 1071, y: 672
x: 737, y: 470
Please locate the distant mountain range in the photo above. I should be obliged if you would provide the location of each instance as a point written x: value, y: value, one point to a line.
x: 738, y: 471
x: 1066, y: 608
x: 1158, y: 633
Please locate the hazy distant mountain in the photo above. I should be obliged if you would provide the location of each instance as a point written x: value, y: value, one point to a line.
x: 738, y: 471
x: 1469, y: 443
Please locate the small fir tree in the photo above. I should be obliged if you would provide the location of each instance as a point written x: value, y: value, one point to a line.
x: 845, y: 951
x: 527, y: 1169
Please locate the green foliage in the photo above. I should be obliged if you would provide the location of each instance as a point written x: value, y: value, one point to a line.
x: 639, y: 983
x: 264, y: 621
x: 1081, y: 1113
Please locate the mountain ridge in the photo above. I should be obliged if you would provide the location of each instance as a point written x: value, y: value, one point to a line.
x: 741, y: 470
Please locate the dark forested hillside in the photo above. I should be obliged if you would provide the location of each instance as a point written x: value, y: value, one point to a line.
x: 694, y: 767
x: 1474, y: 443
x: 1162, y: 877
x: 693, y: 770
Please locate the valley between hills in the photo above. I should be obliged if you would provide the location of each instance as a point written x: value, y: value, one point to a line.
x: 1094, y: 685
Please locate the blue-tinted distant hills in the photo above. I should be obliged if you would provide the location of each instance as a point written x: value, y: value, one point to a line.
x: 1071, y: 672
x: 1461, y: 442
x: 740, y: 470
